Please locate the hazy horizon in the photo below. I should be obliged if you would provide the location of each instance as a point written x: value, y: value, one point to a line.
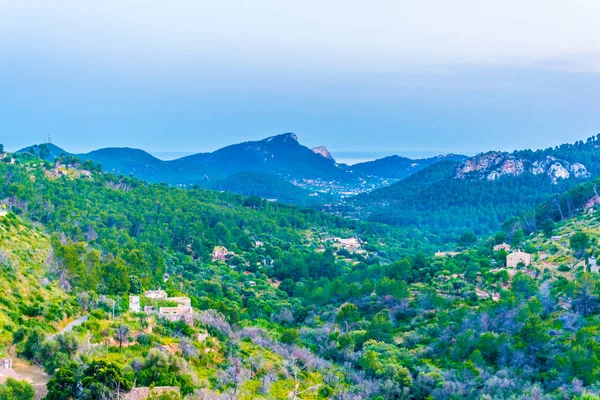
x: 431, y: 76
x: 349, y: 157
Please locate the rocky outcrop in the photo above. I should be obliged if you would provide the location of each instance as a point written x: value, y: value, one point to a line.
x: 493, y: 165
x: 322, y: 151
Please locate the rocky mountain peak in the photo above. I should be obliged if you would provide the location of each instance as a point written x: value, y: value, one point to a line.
x: 284, y: 137
x: 322, y: 151
x: 493, y: 165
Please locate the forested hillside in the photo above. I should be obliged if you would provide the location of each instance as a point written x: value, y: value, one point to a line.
x: 270, y: 187
x: 253, y: 168
x: 287, y: 302
x: 479, y: 194
x: 396, y: 167
x: 29, y: 281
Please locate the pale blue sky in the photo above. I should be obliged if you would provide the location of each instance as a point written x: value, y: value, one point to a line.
x: 384, y: 76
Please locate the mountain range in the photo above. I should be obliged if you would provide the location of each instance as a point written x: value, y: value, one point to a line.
x: 276, y: 159
x: 449, y: 194
x: 482, y: 192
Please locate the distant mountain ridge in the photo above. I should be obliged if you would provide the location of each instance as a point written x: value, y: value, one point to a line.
x: 277, y: 159
x: 397, y: 167
x: 280, y: 155
x: 481, y: 192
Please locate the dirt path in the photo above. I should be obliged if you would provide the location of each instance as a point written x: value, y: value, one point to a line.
x: 31, y: 371
x: 27, y: 369
x: 72, y: 325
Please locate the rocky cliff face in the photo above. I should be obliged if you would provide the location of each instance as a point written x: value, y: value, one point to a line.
x: 493, y: 165
x: 322, y: 150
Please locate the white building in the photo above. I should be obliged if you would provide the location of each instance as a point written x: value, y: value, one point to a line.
x: 593, y: 264
x: 134, y: 304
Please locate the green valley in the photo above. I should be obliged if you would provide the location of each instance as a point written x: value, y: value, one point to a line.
x: 198, y: 294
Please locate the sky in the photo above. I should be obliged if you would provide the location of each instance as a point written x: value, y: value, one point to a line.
x: 363, y: 78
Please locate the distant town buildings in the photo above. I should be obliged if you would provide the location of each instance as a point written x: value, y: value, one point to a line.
x: 518, y: 257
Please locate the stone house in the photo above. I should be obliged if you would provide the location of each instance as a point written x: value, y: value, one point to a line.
x: 517, y: 257
x: 182, y: 312
x: 503, y: 246
x: 179, y: 313
x: 220, y: 253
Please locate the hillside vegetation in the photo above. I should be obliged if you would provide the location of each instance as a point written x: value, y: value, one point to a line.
x: 294, y: 303
x: 31, y: 296
x: 479, y: 194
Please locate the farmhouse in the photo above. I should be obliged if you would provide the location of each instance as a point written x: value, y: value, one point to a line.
x: 179, y: 313
x: 182, y: 312
x: 503, y: 246
x: 518, y: 257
